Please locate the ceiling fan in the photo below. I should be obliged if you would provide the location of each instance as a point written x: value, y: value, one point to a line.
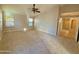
x: 34, y: 9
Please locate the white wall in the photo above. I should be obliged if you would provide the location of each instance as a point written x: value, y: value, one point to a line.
x: 47, y: 21
x: 20, y: 22
x: 0, y: 24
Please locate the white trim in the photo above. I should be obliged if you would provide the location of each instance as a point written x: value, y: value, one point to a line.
x: 15, y: 30
x: 46, y: 32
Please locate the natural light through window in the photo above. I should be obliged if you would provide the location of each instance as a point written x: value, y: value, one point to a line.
x: 9, y: 21
x: 30, y: 22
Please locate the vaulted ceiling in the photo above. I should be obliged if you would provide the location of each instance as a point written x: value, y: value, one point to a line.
x: 26, y: 8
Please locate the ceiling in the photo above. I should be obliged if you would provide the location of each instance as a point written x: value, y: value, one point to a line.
x: 26, y: 8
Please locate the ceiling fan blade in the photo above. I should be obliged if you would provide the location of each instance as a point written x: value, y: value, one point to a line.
x: 36, y: 8
x: 38, y: 11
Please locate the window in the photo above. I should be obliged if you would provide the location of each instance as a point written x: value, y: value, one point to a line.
x: 30, y: 22
x: 9, y: 21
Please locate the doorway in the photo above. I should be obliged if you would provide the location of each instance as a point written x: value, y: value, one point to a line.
x: 67, y: 27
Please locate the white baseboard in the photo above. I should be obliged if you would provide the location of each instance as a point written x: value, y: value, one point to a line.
x: 15, y: 30
x: 46, y: 32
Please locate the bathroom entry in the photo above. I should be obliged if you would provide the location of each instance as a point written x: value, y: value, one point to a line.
x: 67, y: 27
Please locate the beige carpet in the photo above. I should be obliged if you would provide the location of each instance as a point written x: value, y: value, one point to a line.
x: 23, y: 42
x: 36, y: 42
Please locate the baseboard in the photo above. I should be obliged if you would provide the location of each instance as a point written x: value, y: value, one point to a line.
x: 46, y: 32
x: 15, y: 30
